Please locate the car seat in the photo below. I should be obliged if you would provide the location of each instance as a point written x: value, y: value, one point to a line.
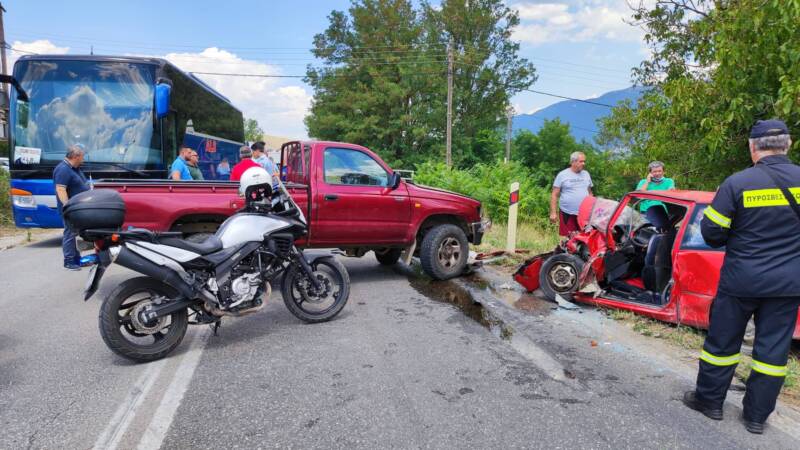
x: 657, y: 269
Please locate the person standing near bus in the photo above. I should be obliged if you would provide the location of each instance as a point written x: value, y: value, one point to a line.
x: 246, y: 162
x: 69, y: 181
x: 223, y: 169
x: 179, y: 170
x: 262, y: 159
x: 193, y: 164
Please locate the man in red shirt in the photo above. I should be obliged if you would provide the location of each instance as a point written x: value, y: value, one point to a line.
x: 246, y: 162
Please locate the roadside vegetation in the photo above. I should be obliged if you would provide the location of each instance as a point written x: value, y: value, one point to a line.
x: 6, y: 218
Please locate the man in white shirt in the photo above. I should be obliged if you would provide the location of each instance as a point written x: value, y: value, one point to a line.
x: 570, y: 187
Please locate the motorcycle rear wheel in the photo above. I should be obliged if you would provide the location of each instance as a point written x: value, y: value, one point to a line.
x: 309, y: 304
x: 127, y: 335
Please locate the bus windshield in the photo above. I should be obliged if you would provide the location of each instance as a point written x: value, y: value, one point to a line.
x: 105, y: 106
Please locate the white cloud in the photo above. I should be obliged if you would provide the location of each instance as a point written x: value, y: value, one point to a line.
x: 279, y: 108
x: 40, y: 47
x: 575, y: 21
x: 540, y: 11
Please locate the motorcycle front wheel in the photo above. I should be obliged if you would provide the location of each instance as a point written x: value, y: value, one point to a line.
x: 125, y: 330
x: 314, y: 305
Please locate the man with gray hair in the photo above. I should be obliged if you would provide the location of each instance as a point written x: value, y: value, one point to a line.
x: 755, y: 215
x: 246, y: 162
x: 70, y: 181
x: 570, y: 187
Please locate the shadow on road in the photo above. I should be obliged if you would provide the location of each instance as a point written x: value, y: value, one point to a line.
x: 47, y: 243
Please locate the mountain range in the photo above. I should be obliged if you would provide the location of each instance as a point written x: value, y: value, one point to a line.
x: 581, y: 116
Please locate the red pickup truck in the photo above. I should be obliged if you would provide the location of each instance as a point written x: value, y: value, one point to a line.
x: 352, y: 199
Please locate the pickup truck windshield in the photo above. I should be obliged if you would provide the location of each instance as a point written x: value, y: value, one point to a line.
x: 106, y: 106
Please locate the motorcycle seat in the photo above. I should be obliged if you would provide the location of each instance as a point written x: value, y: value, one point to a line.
x: 209, y: 245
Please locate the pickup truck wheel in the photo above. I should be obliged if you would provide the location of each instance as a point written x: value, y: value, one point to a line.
x: 388, y: 256
x: 560, y: 275
x: 444, y: 252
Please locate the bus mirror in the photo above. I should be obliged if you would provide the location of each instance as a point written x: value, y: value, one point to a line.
x: 21, y: 94
x: 162, y: 99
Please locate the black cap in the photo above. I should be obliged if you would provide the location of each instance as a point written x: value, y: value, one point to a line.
x: 772, y: 127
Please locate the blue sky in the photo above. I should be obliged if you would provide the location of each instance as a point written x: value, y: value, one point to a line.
x: 582, y: 48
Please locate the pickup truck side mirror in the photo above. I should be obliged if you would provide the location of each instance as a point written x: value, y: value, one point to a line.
x: 394, y: 180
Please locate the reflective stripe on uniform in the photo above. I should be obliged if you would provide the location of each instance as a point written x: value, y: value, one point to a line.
x: 769, y: 369
x: 759, y: 198
x: 721, y: 361
x: 714, y: 216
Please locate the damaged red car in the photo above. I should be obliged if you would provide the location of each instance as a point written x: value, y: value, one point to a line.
x: 622, y: 261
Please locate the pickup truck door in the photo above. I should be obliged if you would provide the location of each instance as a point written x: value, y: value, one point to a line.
x: 295, y: 161
x: 354, y: 203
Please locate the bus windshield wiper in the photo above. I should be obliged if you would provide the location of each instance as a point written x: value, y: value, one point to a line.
x: 117, y: 165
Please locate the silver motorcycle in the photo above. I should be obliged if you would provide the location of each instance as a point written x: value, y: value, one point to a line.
x: 227, y: 274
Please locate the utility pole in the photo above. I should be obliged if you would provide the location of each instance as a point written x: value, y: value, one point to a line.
x: 510, y: 118
x: 449, y: 148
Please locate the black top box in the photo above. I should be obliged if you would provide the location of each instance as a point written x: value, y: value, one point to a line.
x: 98, y: 208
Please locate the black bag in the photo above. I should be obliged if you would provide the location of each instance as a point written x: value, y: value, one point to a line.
x: 786, y: 193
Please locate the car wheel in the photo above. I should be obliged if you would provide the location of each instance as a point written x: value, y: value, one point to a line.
x: 560, y: 275
x: 444, y: 252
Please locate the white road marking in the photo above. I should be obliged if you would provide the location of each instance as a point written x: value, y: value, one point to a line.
x: 156, y: 431
x: 122, y: 418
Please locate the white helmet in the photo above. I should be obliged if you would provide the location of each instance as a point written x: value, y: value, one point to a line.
x: 254, y: 176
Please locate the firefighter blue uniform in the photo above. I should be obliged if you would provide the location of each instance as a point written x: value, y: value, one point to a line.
x: 760, y: 277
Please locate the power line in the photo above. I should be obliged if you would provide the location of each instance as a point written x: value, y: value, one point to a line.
x: 569, y: 98
x: 18, y: 50
x: 259, y: 75
x: 254, y: 75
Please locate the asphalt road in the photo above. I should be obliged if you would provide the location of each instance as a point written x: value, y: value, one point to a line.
x: 401, y: 367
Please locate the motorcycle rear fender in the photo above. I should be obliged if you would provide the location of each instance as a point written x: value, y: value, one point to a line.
x: 104, y: 259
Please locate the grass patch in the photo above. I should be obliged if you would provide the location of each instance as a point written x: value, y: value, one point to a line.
x: 532, y: 236
x: 683, y: 336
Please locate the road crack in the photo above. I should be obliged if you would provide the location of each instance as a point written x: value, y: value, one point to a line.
x: 32, y: 437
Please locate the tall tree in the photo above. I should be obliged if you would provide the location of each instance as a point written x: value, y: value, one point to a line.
x: 717, y: 66
x: 488, y: 68
x: 383, y: 79
x: 252, y: 132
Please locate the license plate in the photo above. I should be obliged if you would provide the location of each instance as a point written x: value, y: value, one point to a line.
x: 92, y: 276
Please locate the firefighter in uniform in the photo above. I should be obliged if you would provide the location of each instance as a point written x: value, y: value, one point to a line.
x: 760, y: 277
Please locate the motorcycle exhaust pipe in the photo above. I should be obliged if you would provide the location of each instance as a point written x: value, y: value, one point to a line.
x: 131, y: 260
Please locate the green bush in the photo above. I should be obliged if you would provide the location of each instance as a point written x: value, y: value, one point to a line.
x: 5, y: 198
x: 490, y: 183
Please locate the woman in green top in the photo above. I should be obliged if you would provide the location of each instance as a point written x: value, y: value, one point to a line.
x: 655, y: 211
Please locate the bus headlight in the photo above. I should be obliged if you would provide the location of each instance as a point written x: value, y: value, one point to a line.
x: 22, y: 199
